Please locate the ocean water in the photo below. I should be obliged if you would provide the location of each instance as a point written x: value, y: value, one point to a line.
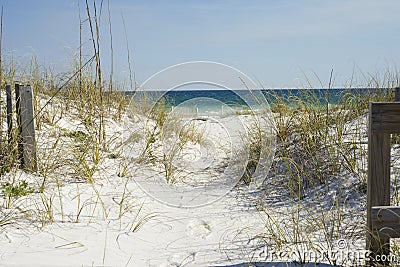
x: 209, y: 102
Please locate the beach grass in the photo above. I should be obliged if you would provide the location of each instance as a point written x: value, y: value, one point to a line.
x: 321, y: 164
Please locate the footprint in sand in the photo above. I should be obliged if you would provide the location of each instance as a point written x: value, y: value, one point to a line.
x: 181, y: 259
x: 198, y: 229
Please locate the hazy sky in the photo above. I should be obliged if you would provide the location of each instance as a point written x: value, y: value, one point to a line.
x: 272, y: 41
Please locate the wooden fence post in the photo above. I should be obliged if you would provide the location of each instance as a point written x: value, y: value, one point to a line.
x: 378, y: 183
x: 9, y: 114
x: 28, y: 128
x: 18, y: 129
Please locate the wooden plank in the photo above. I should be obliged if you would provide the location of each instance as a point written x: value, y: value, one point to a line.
x: 9, y: 113
x: 378, y: 181
x: 28, y: 128
x: 386, y: 214
x: 388, y: 231
x: 386, y: 221
x: 384, y: 117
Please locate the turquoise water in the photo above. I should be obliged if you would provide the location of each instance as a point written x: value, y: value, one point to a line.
x: 220, y: 101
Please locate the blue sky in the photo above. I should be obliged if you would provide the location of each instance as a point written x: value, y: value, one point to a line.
x: 274, y: 42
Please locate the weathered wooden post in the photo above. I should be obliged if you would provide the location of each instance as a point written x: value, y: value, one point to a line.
x: 378, y: 183
x: 9, y: 113
x: 28, y: 128
x: 19, y: 129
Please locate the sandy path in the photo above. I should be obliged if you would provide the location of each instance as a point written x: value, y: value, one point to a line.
x: 216, y: 234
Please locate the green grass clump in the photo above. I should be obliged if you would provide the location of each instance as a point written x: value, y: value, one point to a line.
x: 16, y: 190
x: 12, y: 191
x: 78, y: 136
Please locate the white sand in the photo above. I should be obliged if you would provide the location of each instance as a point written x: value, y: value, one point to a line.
x: 89, y: 231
